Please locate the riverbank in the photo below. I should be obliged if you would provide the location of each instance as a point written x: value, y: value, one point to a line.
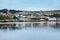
x: 26, y: 21
x: 13, y: 20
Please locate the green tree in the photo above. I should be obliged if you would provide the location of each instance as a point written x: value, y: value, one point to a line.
x: 56, y: 15
x: 3, y: 17
x: 12, y: 11
x: 4, y: 10
x: 15, y: 17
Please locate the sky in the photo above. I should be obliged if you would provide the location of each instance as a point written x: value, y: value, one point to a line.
x: 30, y: 5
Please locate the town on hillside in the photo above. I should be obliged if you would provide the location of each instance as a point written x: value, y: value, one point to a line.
x: 28, y: 16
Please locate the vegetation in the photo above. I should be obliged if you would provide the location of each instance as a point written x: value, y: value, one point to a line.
x: 4, y: 10
x: 54, y: 15
x: 12, y: 11
x: 3, y: 17
x: 35, y: 18
x: 15, y: 17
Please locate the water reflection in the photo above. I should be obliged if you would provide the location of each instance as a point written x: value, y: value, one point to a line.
x: 29, y: 31
x: 21, y: 25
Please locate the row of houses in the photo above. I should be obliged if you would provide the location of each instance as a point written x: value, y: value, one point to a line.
x: 8, y: 14
x: 25, y: 15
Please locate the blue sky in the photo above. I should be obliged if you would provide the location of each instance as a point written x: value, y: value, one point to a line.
x: 30, y: 4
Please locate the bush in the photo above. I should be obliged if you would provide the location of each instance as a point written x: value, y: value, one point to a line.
x: 3, y: 17
x: 15, y: 17
x: 45, y: 19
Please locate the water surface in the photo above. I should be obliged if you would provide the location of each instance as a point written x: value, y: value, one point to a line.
x: 29, y: 31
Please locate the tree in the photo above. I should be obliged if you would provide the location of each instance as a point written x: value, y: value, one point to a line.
x: 3, y: 17
x: 4, y: 10
x: 56, y: 15
x: 15, y: 17
x: 12, y: 11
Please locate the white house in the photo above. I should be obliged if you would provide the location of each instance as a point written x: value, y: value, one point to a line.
x: 52, y: 19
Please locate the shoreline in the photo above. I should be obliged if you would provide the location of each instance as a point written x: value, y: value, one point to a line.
x: 28, y: 21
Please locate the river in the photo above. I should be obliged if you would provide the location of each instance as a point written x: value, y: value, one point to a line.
x: 29, y: 31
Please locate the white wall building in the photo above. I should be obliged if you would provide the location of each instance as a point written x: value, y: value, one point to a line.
x: 52, y: 19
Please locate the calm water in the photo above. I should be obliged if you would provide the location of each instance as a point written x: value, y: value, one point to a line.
x: 29, y: 31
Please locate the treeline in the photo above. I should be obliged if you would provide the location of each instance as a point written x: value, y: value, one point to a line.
x: 12, y: 11
x: 55, y: 15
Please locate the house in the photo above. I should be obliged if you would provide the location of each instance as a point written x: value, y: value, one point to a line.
x: 52, y: 19
x: 3, y: 14
x: 10, y: 15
